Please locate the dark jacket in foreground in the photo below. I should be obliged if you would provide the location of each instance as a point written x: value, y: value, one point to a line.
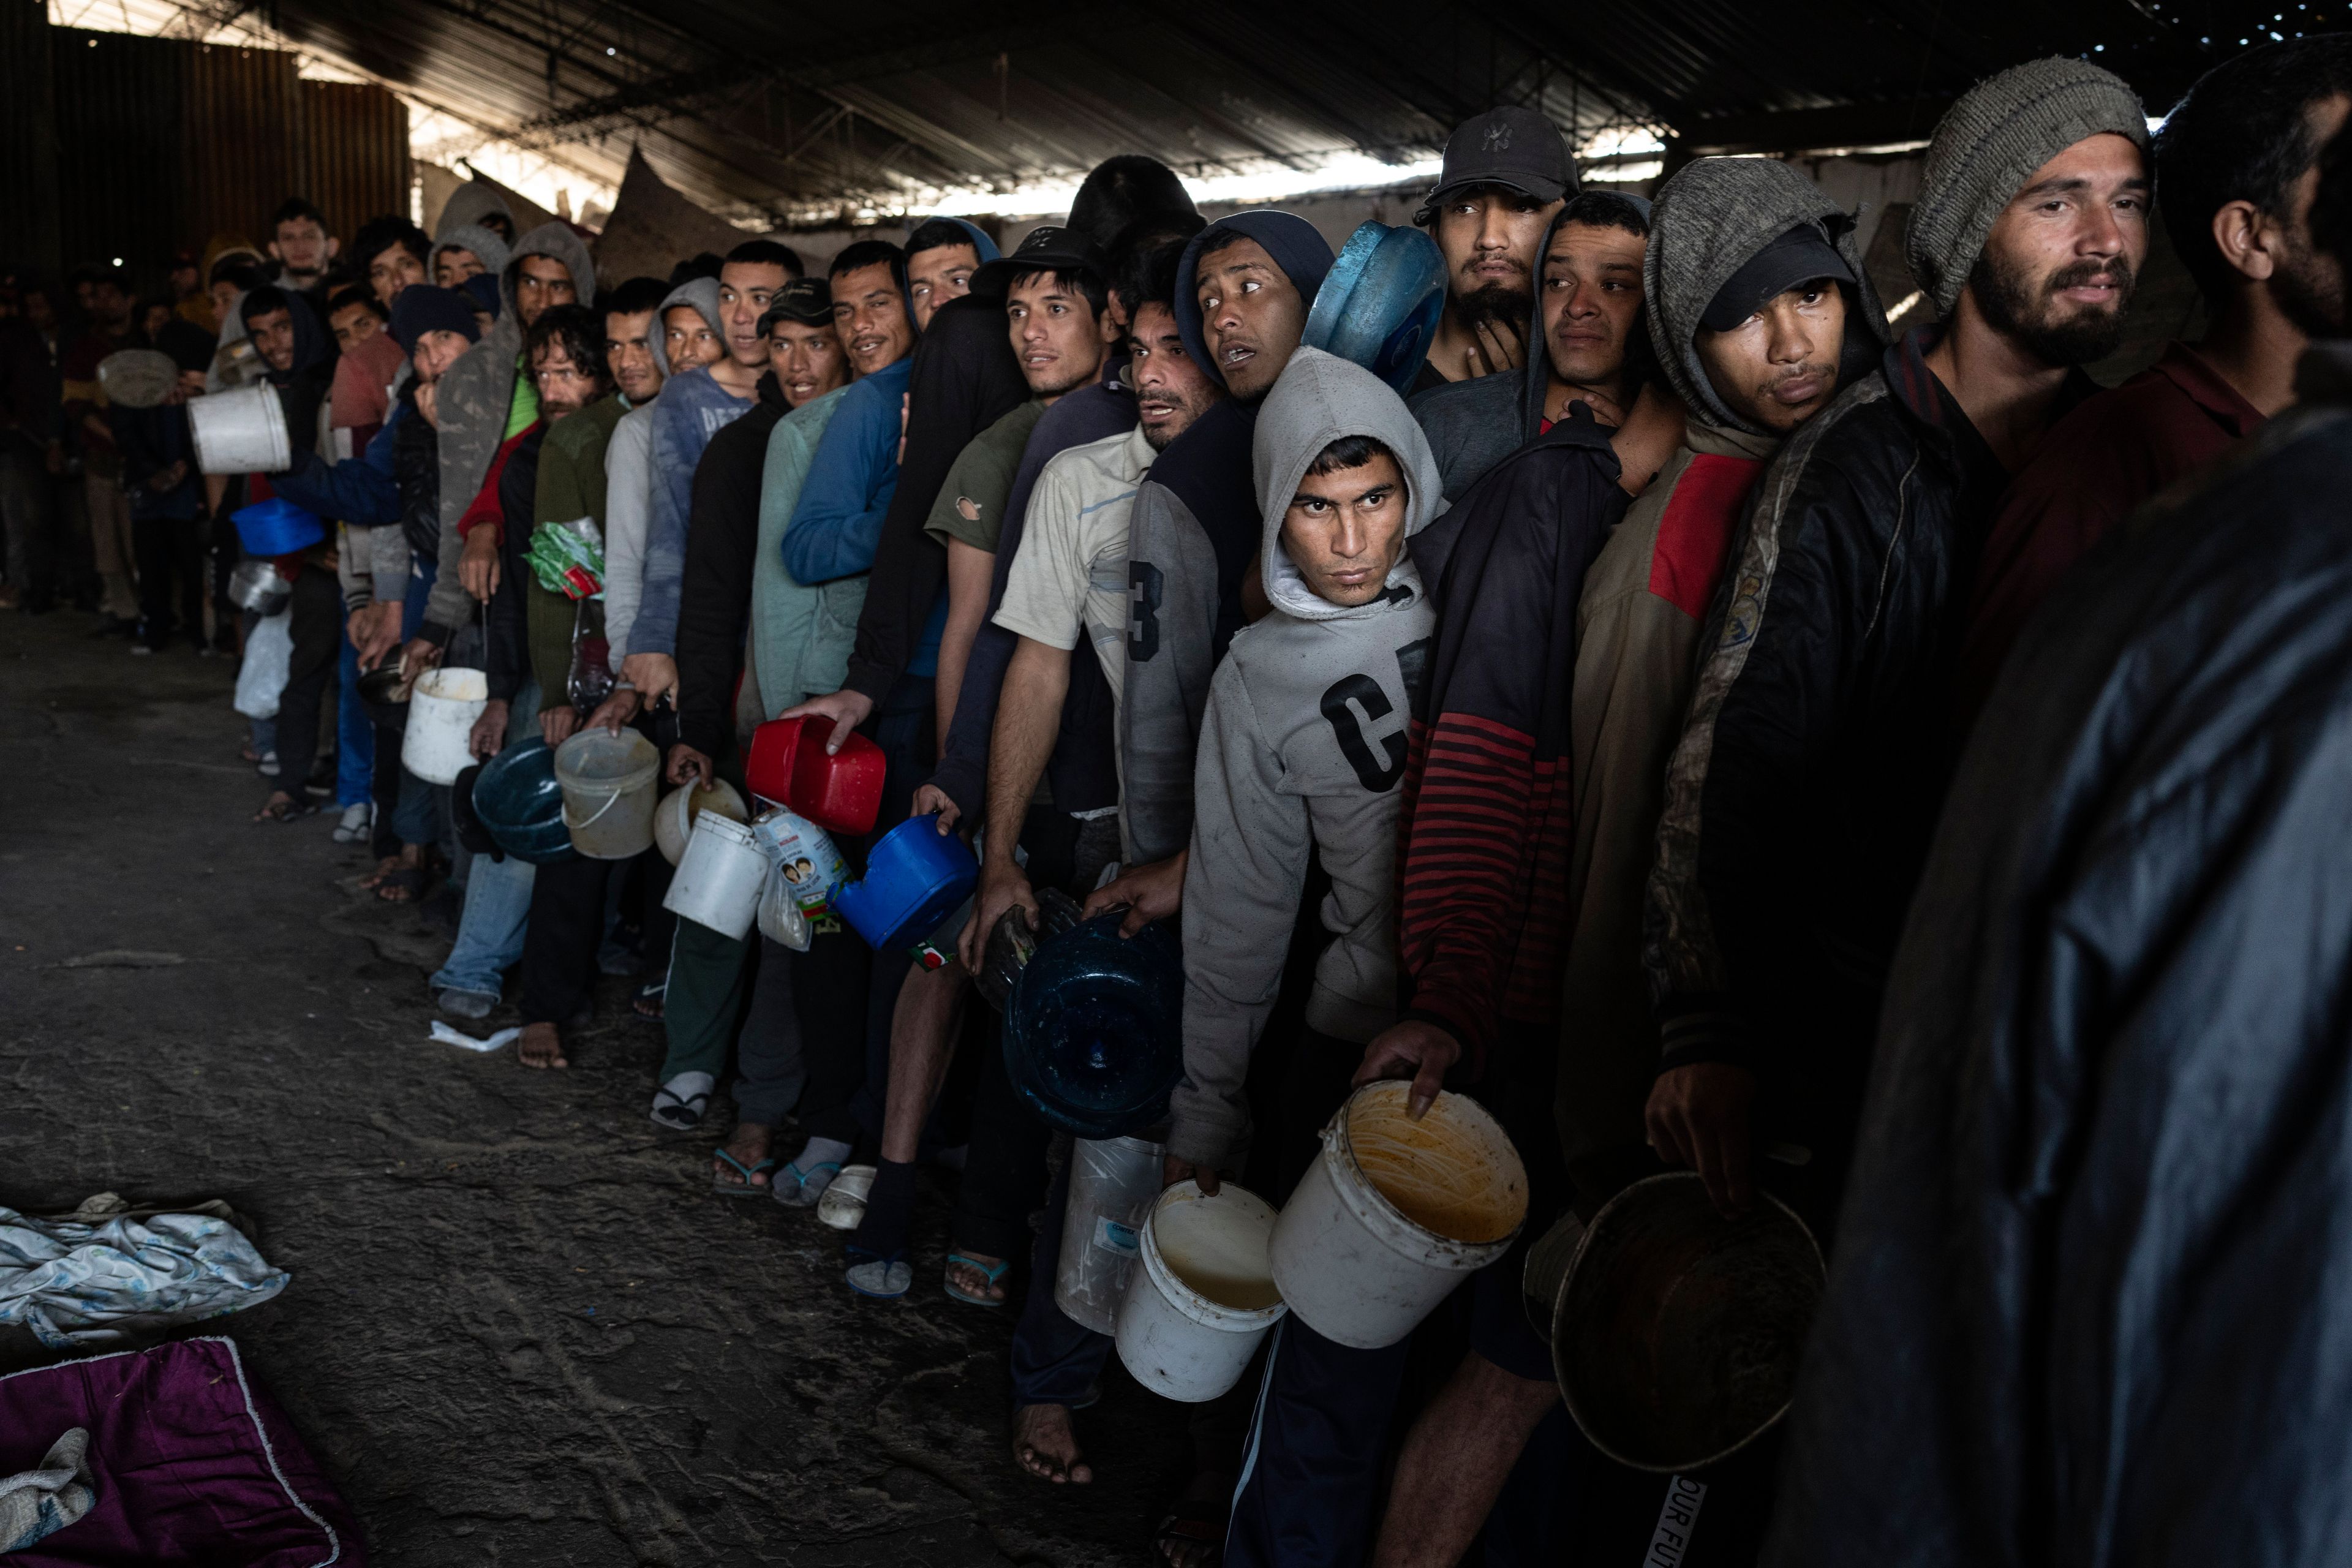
x: 714, y: 603
x: 2088, y: 1304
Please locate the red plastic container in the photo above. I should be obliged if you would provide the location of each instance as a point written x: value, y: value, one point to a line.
x: 841, y: 793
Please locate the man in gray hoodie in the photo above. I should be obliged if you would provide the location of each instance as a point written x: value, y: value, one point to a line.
x: 484, y: 399
x: 1302, y: 748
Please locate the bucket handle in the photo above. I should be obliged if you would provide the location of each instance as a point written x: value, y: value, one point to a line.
x: 576, y: 826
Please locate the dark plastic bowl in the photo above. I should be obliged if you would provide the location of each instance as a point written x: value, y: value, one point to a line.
x: 1094, y: 1033
x: 521, y: 806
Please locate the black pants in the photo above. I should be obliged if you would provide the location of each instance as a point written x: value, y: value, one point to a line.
x: 28, y: 517
x: 170, y: 553
x: 560, y: 940
x: 316, y: 625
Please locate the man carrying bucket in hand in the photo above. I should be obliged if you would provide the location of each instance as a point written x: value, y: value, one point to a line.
x: 1302, y: 749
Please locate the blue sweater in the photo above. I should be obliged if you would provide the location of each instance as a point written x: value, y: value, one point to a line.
x: 358, y: 490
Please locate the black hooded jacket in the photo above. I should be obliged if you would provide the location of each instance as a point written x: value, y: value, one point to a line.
x: 2088, y: 1303
x: 302, y: 385
x: 1801, y: 796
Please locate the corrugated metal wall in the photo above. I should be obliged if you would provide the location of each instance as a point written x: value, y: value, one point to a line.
x: 354, y: 146
x: 161, y: 143
x: 28, y: 149
x: 237, y: 140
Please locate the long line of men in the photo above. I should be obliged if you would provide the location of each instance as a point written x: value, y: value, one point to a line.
x: 1571, y: 734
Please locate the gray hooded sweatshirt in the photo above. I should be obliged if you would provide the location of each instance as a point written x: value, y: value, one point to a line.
x: 629, y: 479
x: 1302, y: 749
x: 468, y: 205
x: 1638, y: 631
x: 475, y: 398
x: 487, y: 247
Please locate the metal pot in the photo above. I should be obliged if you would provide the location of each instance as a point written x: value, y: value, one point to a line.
x: 256, y: 586
x: 1676, y: 1331
x: 386, y: 685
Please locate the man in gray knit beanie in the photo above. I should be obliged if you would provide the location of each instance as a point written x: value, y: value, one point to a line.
x: 1805, y: 786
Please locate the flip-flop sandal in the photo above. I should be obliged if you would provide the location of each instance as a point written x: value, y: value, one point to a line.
x: 884, y: 1278
x: 843, y: 1207
x: 745, y: 1188
x: 994, y: 1273
x: 287, y: 811
x: 1193, y: 1522
x: 654, y: 992
x: 800, y: 1195
x: 679, y: 1115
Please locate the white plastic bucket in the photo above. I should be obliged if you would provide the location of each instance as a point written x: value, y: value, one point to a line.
x: 718, y: 877
x: 243, y: 432
x: 1395, y: 1214
x: 1203, y: 1297
x: 1113, y: 1185
x: 608, y: 783
x: 441, y: 715
x: 674, y: 818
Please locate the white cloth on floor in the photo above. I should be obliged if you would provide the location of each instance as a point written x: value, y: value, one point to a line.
x: 37, y: 1503
x: 449, y: 1036
x: 77, y: 1284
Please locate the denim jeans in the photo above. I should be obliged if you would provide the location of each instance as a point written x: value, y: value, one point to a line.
x: 354, y: 735
x: 498, y: 894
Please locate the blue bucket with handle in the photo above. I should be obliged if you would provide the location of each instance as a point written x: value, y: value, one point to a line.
x: 1379, y: 305
x: 915, y: 878
x: 277, y: 527
x: 1094, y: 1030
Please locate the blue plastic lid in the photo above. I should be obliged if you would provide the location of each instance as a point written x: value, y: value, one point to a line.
x: 1379, y: 303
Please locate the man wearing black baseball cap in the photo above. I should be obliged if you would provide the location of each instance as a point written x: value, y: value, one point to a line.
x: 1506, y: 172
x: 804, y: 351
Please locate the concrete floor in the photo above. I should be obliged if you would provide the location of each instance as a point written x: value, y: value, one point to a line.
x: 519, y: 1330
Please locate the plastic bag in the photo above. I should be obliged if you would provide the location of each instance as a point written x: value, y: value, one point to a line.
x: 568, y: 558
x: 810, y: 867
x: 269, y: 658
x: 781, y: 918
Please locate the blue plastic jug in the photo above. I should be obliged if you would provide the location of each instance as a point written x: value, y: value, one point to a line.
x: 1379, y: 303
x: 915, y: 877
x: 275, y: 527
x: 521, y: 806
x: 1094, y: 1033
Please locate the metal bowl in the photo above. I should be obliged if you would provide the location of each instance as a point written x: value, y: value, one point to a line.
x: 256, y: 586
x: 387, y: 684
x: 1677, y: 1333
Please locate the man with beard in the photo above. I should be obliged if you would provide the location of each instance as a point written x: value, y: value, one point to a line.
x: 304, y: 252
x: 1809, y: 774
x: 1756, y: 309
x: 551, y: 474
x: 2236, y: 167
x: 2089, y: 1305
x: 1506, y: 172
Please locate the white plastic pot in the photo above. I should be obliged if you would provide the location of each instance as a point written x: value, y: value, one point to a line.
x: 718, y: 877
x: 1396, y: 1214
x: 608, y: 785
x: 674, y: 818
x: 441, y: 715
x: 241, y: 432
x: 1203, y: 1297
x: 1113, y: 1185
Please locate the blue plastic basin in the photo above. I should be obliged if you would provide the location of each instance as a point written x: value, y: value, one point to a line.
x: 915, y: 877
x: 1093, y: 1031
x: 521, y: 806
x: 277, y: 527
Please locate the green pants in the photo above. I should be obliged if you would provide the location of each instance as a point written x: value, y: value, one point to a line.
x: 709, y: 975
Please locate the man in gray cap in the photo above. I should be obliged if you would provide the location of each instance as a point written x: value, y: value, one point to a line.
x: 1507, y: 172
x: 1812, y: 767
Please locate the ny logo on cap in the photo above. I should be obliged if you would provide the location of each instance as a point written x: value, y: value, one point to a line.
x: 1498, y: 139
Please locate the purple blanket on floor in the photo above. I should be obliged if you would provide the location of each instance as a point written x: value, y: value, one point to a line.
x: 194, y: 1463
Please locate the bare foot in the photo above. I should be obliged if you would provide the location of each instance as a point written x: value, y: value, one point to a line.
x: 967, y: 1272
x: 750, y: 1143
x: 1046, y: 1446
x: 541, y: 1047
x: 384, y: 867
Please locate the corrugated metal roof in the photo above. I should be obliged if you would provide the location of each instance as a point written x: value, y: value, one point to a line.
x: 790, y: 113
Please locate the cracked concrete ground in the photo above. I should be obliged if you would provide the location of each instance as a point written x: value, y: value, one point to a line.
x: 519, y: 1330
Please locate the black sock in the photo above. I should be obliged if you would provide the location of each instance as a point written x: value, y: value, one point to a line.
x: 890, y: 1209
